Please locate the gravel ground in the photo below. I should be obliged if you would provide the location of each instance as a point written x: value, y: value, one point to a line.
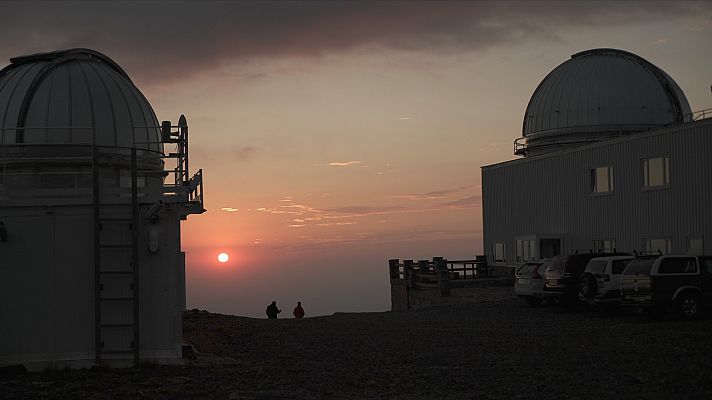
x: 494, y: 349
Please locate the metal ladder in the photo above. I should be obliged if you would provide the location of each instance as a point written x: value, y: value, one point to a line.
x: 109, y: 278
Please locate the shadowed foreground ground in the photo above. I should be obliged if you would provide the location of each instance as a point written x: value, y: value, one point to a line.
x: 499, y: 349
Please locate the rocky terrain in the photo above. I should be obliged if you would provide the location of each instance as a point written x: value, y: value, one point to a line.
x: 498, y: 348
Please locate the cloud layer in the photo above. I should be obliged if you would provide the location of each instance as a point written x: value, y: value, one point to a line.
x: 161, y: 42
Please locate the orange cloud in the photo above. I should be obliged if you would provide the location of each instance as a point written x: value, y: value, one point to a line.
x: 343, y: 164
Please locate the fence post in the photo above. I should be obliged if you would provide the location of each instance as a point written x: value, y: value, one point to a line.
x: 407, y: 269
x: 393, y: 268
x: 481, y: 266
x: 423, y: 266
x: 443, y: 275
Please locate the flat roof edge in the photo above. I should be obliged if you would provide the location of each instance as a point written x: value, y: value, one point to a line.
x: 627, y: 138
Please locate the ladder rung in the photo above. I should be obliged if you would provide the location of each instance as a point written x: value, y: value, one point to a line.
x: 116, y: 325
x: 115, y: 246
x: 117, y: 352
x: 117, y: 299
x: 116, y: 272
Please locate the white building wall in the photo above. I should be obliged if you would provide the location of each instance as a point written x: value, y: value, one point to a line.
x: 550, y: 195
x: 47, y: 288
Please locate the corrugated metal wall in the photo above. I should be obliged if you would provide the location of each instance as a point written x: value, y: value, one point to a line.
x: 550, y: 195
x: 47, y: 287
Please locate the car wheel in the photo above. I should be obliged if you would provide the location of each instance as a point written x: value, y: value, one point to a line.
x: 687, y: 305
x: 533, y: 301
x: 588, y: 286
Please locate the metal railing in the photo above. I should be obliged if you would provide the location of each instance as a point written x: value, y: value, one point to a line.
x: 698, y: 115
x: 14, y: 165
x: 521, y: 144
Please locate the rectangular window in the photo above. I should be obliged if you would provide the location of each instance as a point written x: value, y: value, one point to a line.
x: 526, y: 250
x: 656, y: 171
x: 657, y: 246
x: 618, y: 266
x: 520, y: 251
x: 695, y: 246
x: 499, y: 253
x: 532, y: 250
x: 604, y: 246
x: 602, y: 179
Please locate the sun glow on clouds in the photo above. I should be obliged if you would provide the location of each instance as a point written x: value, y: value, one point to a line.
x: 301, y: 215
x: 230, y: 209
x: 338, y: 223
x: 418, y: 197
x: 343, y: 164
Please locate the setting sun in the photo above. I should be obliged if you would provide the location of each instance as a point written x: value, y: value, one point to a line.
x: 223, y: 257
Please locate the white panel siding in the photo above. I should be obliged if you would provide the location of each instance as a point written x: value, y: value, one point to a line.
x: 551, y: 194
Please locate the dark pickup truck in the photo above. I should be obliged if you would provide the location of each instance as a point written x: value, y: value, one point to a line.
x: 658, y: 284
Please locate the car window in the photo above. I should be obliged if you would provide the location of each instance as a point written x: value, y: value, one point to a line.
x: 708, y: 263
x: 528, y: 268
x: 678, y: 265
x: 543, y: 267
x: 577, y: 263
x: 524, y: 269
x: 557, y: 263
x: 596, y: 266
x: 642, y: 267
x: 619, y: 266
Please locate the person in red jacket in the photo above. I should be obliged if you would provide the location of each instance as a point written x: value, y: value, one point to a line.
x: 298, y: 310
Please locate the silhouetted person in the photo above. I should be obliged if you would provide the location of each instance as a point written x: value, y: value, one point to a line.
x: 298, y: 310
x: 272, y: 310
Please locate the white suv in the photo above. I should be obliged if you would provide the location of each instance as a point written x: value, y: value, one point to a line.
x: 529, y: 281
x: 601, y: 281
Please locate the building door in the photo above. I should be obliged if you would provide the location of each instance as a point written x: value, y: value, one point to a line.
x: 549, y: 248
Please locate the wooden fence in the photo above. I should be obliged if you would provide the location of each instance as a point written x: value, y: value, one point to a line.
x: 438, y: 276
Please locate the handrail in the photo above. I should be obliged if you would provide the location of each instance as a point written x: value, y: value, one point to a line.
x: 699, y: 115
x: 427, y: 269
x: 521, y: 144
x: 189, y: 188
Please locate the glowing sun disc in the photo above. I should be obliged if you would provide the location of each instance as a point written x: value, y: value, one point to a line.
x: 223, y: 257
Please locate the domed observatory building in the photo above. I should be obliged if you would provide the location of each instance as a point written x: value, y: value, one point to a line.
x: 612, y: 159
x: 92, y: 192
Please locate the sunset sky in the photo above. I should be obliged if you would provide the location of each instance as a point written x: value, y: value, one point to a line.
x: 336, y: 135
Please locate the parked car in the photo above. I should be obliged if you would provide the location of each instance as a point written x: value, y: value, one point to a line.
x: 658, y: 284
x: 600, y: 283
x: 563, y: 276
x: 529, y: 281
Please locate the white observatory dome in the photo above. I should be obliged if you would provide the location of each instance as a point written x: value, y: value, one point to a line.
x: 63, y: 96
x: 91, y: 267
x: 599, y: 94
